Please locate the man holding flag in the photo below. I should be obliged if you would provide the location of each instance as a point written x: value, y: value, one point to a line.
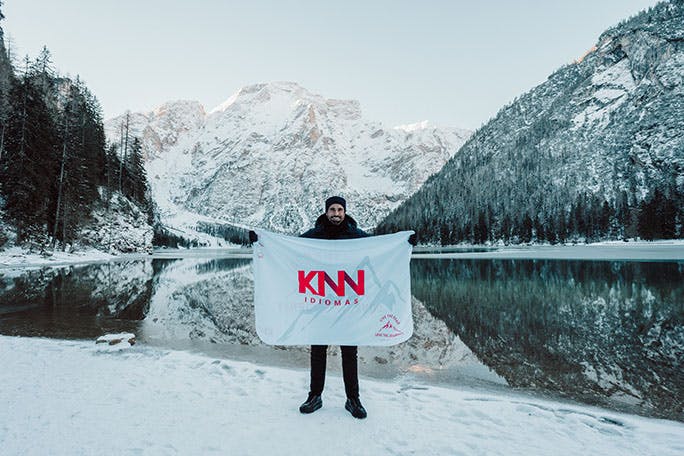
x: 335, y: 224
x: 348, y: 293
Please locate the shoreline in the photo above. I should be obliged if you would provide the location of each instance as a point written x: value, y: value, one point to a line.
x: 662, y: 250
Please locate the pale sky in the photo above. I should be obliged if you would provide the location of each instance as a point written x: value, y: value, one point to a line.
x: 454, y: 63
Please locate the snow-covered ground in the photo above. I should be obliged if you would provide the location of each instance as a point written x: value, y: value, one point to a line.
x: 78, y: 397
x: 19, y: 257
x: 16, y: 257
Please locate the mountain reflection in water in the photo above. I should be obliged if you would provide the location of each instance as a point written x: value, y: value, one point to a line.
x: 609, y: 333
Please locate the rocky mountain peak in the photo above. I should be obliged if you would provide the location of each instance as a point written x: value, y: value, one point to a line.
x: 270, y: 154
x: 267, y: 94
x: 189, y: 108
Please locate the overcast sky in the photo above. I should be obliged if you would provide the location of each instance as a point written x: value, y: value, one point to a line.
x: 453, y: 62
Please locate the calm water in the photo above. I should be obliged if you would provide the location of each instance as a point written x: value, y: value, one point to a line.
x: 602, y: 332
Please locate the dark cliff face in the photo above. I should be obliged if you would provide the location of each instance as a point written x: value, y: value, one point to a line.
x: 610, y: 125
x: 608, y: 333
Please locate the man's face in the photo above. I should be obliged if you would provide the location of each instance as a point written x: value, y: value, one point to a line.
x: 335, y: 214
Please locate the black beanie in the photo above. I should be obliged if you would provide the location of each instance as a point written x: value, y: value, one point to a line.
x: 335, y: 200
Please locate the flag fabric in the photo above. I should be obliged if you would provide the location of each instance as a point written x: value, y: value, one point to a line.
x: 332, y: 292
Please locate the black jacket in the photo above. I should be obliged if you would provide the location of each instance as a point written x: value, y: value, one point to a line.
x: 326, y: 230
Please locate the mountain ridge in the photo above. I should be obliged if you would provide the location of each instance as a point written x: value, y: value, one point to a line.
x: 594, y: 152
x: 272, y: 152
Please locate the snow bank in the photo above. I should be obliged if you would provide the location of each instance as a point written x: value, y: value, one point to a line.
x: 67, y: 397
x: 20, y: 257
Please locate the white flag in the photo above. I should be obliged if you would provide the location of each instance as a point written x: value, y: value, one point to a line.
x: 332, y: 292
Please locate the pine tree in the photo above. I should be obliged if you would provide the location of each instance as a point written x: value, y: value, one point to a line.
x: 123, y: 147
x: 28, y: 167
x: 6, y: 78
x: 444, y: 235
x: 526, y: 229
x: 622, y: 214
x: 78, y: 176
x: 135, y: 175
x: 666, y: 215
x: 647, y: 223
x: 604, y: 219
x: 112, y: 164
x: 481, y: 229
x: 539, y: 231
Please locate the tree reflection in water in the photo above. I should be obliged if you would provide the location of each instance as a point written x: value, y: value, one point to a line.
x: 75, y: 302
x: 609, y: 333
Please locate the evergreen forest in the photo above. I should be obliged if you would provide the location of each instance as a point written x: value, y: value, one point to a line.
x: 55, y: 164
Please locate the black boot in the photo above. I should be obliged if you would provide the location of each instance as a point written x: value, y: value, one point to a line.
x: 312, y: 403
x: 354, y: 407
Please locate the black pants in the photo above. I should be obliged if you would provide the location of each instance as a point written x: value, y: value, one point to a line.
x: 350, y: 370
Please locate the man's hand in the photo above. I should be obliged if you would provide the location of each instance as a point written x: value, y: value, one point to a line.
x: 413, y: 239
x: 253, y: 237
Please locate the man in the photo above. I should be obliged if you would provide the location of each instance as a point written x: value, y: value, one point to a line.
x: 334, y: 224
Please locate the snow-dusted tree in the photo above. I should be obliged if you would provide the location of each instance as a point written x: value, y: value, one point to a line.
x: 123, y: 149
x: 135, y: 181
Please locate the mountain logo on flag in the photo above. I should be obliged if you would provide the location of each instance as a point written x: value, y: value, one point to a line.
x: 390, y: 328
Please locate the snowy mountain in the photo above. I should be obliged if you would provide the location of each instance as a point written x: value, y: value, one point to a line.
x: 596, y: 151
x: 270, y: 154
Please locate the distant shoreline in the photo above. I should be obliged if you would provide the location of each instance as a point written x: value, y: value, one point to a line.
x: 662, y: 250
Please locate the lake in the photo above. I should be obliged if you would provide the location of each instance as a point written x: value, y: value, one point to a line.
x: 604, y: 332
